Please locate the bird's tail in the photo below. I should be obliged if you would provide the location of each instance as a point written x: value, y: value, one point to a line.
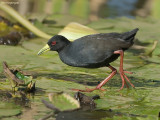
x: 129, y: 36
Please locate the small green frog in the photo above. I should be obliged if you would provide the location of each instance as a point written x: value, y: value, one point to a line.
x: 18, y: 80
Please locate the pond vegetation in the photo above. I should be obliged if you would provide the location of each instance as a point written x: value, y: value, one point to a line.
x: 52, y: 76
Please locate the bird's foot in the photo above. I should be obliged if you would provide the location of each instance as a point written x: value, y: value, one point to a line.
x: 124, y: 78
x: 88, y: 89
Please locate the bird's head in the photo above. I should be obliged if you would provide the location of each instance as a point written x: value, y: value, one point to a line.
x: 56, y: 43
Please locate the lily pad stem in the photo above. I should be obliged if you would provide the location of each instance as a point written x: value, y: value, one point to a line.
x: 9, y: 10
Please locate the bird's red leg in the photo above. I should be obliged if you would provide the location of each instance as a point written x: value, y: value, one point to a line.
x: 114, y: 71
x: 122, y: 72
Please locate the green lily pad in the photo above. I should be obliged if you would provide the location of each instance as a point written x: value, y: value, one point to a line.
x: 9, y: 109
x: 64, y: 101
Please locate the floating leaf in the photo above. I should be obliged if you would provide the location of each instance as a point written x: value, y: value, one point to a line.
x: 64, y: 101
x: 9, y: 112
x: 9, y: 109
x: 75, y: 30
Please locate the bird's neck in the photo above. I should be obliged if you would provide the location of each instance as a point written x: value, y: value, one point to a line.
x: 65, y: 44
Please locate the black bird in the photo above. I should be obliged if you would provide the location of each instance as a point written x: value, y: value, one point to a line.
x: 93, y: 51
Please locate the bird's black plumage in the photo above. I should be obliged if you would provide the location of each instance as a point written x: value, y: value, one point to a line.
x: 92, y: 51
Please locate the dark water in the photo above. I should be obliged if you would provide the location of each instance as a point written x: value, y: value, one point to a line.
x: 124, y: 8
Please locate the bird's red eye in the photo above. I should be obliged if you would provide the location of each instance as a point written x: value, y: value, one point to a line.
x: 54, y: 42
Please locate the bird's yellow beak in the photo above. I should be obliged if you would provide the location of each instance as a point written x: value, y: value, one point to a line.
x: 44, y: 49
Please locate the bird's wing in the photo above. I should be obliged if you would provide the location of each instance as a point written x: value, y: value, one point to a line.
x: 93, y: 49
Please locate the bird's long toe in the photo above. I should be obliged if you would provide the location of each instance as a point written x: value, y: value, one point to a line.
x: 85, y: 90
x: 128, y: 72
x: 128, y: 81
x: 124, y: 78
x: 88, y: 89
